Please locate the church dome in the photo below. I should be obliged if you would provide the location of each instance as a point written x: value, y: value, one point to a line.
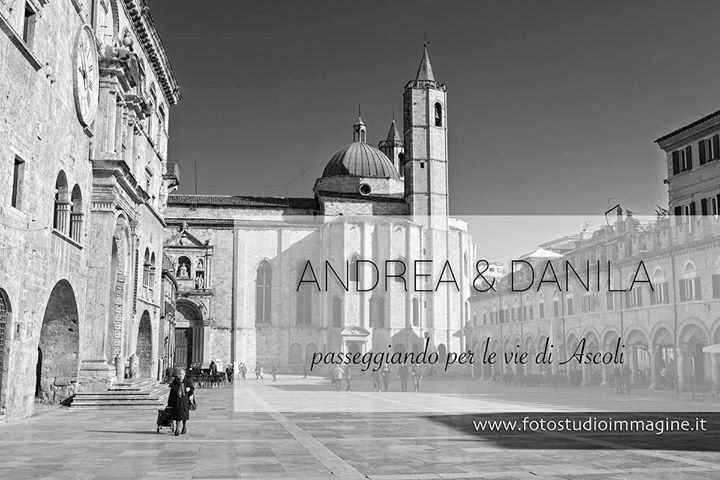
x: 359, y: 159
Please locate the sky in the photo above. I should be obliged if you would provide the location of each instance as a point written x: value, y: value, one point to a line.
x: 553, y: 106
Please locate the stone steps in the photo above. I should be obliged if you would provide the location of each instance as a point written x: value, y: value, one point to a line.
x: 133, y: 393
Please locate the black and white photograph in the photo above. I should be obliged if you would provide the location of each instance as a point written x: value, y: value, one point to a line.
x: 382, y: 240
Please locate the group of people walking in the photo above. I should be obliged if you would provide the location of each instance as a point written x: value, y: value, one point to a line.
x: 380, y: 378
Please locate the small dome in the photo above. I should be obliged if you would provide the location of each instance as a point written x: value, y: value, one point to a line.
x: 359, y: 159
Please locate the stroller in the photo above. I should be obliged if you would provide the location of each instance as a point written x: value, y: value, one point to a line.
x: 164, y: 419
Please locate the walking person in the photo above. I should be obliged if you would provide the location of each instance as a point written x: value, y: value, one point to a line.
x: 181, y: 390
x: 375, y: 375
x: 416, y: 375
x: 243, y: 371
x: 403, y: 372
x: 258, y: 372
x: 273, y: 372
x: 337, y: 375
x: 386, y: 376
x: 230, y: 372
x: 348, y: 376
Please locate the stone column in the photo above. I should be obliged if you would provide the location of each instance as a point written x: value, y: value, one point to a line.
x: 715, y: 365
x: 604, y: 371
x: 584, y: 368
x: 633, y: 364
x: 653, y: 368
x: 680, y: 354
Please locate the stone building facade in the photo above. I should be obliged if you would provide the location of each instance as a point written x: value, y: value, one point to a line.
x: 369, y: 204
x: 85, y: 92
x: 665, y: 327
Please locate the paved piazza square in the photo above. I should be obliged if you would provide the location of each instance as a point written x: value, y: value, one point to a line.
x: 262, y: 430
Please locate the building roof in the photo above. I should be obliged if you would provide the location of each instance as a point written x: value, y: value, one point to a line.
x: 425, y: 70
x: 689, y: 126
x: 242, y: 201
x: 360, y: 159
x: 393, y: 134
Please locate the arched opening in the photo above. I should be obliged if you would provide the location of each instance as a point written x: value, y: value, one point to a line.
x: 57, y: 365
x: 442, y: 353
x: 5, y: 325
x: 263, y: 293
x: 189, y: 335
x: 692, y: 341
x: 295, y: 354
x: 62, y: 204
x: 144, y: 346
x: 309, y: 351
x: 76, y: 214
x: 438, y: 115
x: 151, y: 271
x: 146, y: 268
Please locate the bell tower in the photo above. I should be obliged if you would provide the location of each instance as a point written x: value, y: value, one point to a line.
x: 425, y: 134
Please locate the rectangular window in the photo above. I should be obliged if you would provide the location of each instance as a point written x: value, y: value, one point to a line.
x: 690, y: 289
x: 541, y: 311
x: 609, y: 301
x: 570, y: 306
x: 708, y: 149
x: 682, y: 160
x: 18, y: 176
x: 29, y: 20
x: 716, y: 285
x: 556, y: 308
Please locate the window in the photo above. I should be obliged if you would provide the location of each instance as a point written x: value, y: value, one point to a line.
x: 709, y: 149
x: 556, y: 306
x: 263, y: 292
x: 337, y: 312
x: 76, y: 214
x: 146, y: 268
x: 716, y: 285
x: 29, y: 21
x: 60, y: 219
x: 151, y: 272
x: 609, y: 301
x: 570, y: 305
x: 304, y: 306
x: 690, y: 284
x: 588, y: 303
x: 682, y: 160
x: 377, y: 312
x: 18, y: 177
x: 416, y: 312
x: 354, y: 274
x: 438, y: 115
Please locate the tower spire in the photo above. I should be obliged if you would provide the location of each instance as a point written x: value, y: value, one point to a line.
x: 359, y: 129
x: 425, y: 70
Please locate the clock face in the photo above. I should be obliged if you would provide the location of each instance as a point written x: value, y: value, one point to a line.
x: 86, y: 76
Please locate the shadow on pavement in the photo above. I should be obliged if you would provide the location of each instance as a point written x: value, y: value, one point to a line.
x: 591, y: 430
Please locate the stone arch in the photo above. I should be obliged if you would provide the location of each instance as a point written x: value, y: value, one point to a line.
x: 692, y: 338
x: 5, y: 327
x: 61, y: 204
x: 59, y: 346
x: 143, y: 350
x: 309, y: 351
x: 295, y: 354
x: 190, y: 338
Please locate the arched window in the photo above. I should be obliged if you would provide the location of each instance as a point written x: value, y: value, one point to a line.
x: 62, y: 204
x: 5, y: 313
x: 377, y: 312
x: 263, y: 292
x: 541, y: 306
x: 295, y: 353
x: 146, y: 268
x: 76, y: 214
x: 337, y: 312
x: 354, y: 274
x: 183, y: 269
x: 416, y: 312
x: 304, y: 306
x: 438, y: 115
x: 151, y: 271
x: 309, y: 351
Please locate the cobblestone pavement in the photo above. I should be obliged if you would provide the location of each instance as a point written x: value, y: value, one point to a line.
x: 299, y: 429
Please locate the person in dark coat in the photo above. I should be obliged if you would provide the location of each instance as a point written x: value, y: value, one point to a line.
x: 179, y: 400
